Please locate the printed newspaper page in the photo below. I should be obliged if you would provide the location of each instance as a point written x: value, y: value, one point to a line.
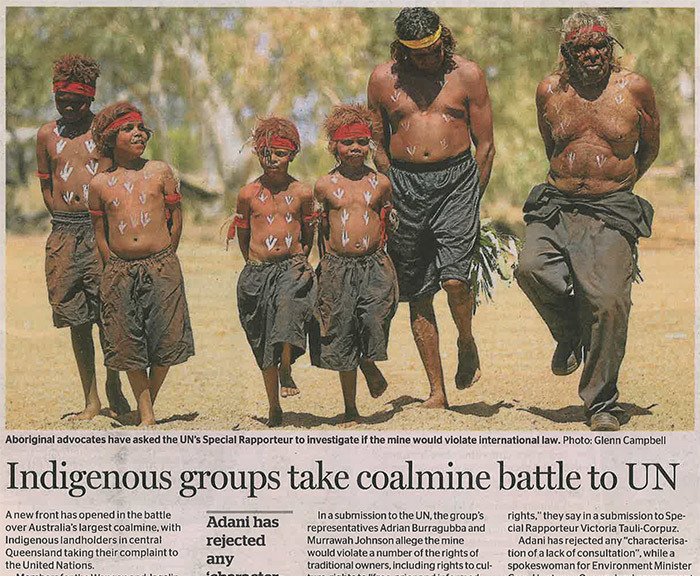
x: 341, y: 291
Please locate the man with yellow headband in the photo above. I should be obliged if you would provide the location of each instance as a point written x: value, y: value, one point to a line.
x: 431, y: 105
x: 600, y: 130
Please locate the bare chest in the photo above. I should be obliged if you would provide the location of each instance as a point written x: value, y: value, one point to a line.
x: 73, y: 159
x: 133, y: 194
x: 443, y: 98
x: 283, y: 206
x: 345, y: 194
x: 613, y: 116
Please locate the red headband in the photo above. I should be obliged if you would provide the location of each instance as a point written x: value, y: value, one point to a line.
x: 356, y: 130
x: 585, y: 30
x: 74, y: 88
x: 130, y: 117
x: 276, y: 142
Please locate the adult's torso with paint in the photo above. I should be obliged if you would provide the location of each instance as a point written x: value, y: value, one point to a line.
x: 594, y: 139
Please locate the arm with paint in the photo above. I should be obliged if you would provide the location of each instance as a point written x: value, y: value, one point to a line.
x: 542, y: 123
x: 43, y: 167
x: 480, y: 123
x: 241, y: 222
x: 390, y: 219
x: 99, y: 219
x: 171, y: 191
x: 380, y: 124
x: 650, y: 125
x: 309, y: 218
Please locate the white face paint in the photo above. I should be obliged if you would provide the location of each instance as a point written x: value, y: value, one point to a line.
x: 288, y: 239
x: 142, y: 197
x: 262, y: 197
x: 112, y: 181
x: 395, y: 96
x: 411, y: 150
x: 115, y: 202
x: 365, y: 216
x: 365, y: 241
x: 60, y: 145
x: 91, y: 166
x: 289, y: 199
x: 600, y: 160
x: 90, y: 145
x: 344, y: 216
x: 129, y: 187
x: 270, y: 242
x: 368, y: 197
x: 145, y: 218
x: 270, y: 219
x: 122, y: 227
x: 67, y: 197
x: 66, y: 171
x: 339, y: 193
x: 288, y: 217
x: 344, y: 238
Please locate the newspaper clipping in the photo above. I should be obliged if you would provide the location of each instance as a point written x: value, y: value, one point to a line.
x: 348, y: 291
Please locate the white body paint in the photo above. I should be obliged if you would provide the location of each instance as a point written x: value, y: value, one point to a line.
x: 443, y: 143
x: 122, y: 227
x: 395, y: 96
x: 112, y: 181
x: 66, y: 171
x: 270, y: 242
x: 145, y: 218
x: 60, y: 145
x: 344, y: 237
x: 91, y: 166
x: 334, y: 178
x: 446, y: 118
x: 411, y: 150
x: 134, y: 221
x: 373, y: 181
x: 86, y: 192
x: 619, y: 99
x: 368, y: 197
x: 90, y: 145
x: 58, y: 131
x: 67, y: 197
x: 115, y: 201
x: 129, y: 187
x: 600, y: 160
x: 270, y: 219
x: 142, y: 197
x: 289, y: 199
x: 288, y: 240
x: 344, y: 216
x: 262, y: 197
x: 571, y: 157
x: 288, y: 217
x: 365, y: 241
x: 365, y: 216
x: 339, y: 193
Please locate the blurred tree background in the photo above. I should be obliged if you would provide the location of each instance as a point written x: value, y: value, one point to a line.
x: 202, y: 75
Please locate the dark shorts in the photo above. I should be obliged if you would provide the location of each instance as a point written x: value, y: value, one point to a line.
x: 357, y: 298
x: 73, y: 270
x: 144, y: 312
x: 438, y: 209
x: 275, y: 305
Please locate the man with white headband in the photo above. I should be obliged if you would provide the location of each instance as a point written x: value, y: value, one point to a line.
x: 432, y: 104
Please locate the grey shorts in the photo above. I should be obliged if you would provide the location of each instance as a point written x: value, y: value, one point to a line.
x: 438, y: 209
x: 357, y: 299
x: 275, y: 305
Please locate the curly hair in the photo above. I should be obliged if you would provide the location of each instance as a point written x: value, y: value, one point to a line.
x: 346, y: 114
x: 104, y: 138
x: 416, y: 23
x: 575, y: 21
x: 269, y: 126
x: 76, y: 67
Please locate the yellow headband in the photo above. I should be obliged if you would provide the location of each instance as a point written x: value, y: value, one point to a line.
x: 423, y: 42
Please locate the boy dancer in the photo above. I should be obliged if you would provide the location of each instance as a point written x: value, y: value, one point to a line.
x: 67, y: 159
x: 276, y: 289
x: 143, y: 307
x: 358, y: 291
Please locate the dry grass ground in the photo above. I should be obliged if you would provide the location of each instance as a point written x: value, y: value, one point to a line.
x: 221, y: 388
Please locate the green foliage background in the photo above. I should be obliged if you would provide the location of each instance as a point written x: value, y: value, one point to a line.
x: 201, y: 75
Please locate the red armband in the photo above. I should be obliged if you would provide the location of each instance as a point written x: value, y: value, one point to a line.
x: 43, y: 176
x: 238, y: 222
x: 311, y: 218
x: 173, y: 198
x: 96, y: 212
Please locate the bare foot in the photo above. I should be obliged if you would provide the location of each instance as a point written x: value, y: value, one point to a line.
x: 88, y: 414
x: 434, y: 402
x: 149, y: 422
x: 287, y: 385
x: 274, y: 419
x: 376, y: 383
x: 117, y: 401
x: 468, y: 367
